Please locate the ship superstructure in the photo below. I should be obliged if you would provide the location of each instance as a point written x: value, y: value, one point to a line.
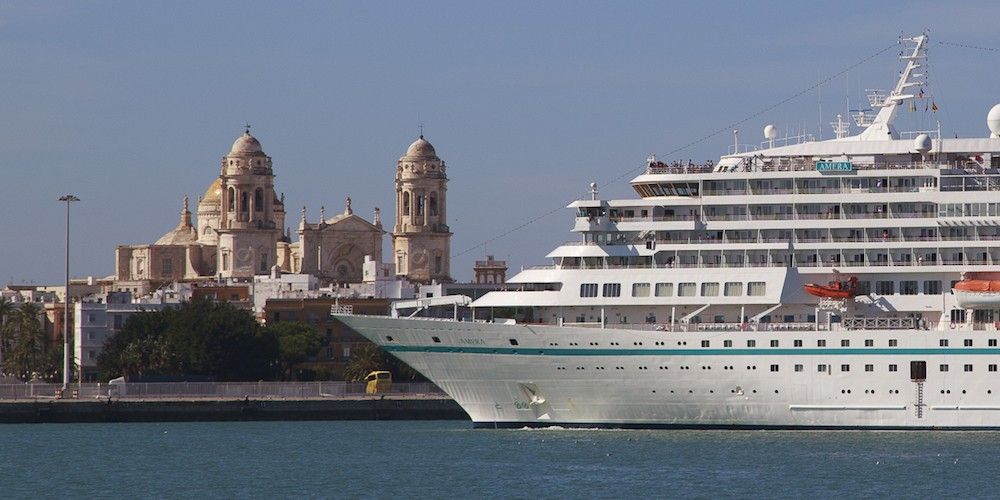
x: 798, y: 284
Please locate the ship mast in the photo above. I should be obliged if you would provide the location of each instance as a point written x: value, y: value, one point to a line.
x: 881, y: 127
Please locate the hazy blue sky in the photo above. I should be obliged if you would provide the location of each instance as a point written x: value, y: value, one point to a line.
x: 130, y: 105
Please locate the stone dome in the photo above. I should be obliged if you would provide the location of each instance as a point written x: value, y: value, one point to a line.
x: 421, y: 149
x: 246, y: 144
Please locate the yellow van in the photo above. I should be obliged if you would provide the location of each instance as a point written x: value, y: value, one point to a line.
x: 380, y: 381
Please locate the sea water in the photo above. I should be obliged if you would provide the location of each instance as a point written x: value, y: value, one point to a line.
x: 449, y: 459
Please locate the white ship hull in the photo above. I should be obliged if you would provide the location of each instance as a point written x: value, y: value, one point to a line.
x: 587, y: 377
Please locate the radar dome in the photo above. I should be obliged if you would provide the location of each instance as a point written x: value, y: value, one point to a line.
x: 993, y: 120
x: 922, y: 143
x: 770, y: 132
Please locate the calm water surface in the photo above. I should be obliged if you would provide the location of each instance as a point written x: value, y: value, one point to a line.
x: 449, y: 459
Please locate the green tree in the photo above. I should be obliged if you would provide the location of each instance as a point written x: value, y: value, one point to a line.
x: 7, y: 311
x: 27, y: 354
x: 297, y: 343
x: 364, y: 360
x: 199, y: 337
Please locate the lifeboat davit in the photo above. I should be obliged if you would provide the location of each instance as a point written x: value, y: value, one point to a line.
x: 834, y: 289
x: 977, y: 294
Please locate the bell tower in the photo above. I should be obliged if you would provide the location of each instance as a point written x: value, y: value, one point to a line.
x: 252, y: 217
x: 421, y: 239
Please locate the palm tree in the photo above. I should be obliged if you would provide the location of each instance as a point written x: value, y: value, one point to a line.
x: 364, y: 360
x: 27, y: 355
x: 7, y: 310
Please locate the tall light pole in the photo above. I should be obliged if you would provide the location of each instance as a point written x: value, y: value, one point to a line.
x: 66, y: 344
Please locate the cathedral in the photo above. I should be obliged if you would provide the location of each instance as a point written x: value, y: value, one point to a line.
x: 240, y: 229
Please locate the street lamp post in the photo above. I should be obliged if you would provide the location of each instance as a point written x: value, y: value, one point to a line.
x: 66, y: 344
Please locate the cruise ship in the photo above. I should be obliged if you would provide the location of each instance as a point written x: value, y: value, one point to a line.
x: 820, y: 284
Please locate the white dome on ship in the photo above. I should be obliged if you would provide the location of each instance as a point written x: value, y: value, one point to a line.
x: 770, y: 132
x: 993, y: 120
x: 922, y: 143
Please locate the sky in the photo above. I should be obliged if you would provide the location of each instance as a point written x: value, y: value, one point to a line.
x: 131, y: 105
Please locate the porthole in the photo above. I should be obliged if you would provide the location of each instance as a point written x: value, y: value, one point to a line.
x: 389, y: 338
x: 436, y: 340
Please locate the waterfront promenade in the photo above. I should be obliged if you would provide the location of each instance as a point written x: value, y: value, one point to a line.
x: 222, y: 401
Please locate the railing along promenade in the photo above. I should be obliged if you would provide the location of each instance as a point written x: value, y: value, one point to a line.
x: 215, y: 390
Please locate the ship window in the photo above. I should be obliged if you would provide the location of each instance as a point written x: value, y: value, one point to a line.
x: 992, y: 342
x: 797, y: 343
x: 821, y: 343
x: 756, y: 288
x: 612, y: 290
x: 869, y: 368
x: 893, y: 368
x: 664, y: 289
x: 893, y: 342
x: 640, y: 289
x: 751, y: 343
x: 885, y: 287
x: 943, y: 368
x: 908, y: 287
x: 727, y: 343
x: 513, y: 341
x: 798, y: 368
x: 869, y: 343
x: 686, y: 289
x: 774, y: 343
x: 388, y: 338
x: 588, y: 289
x: 821, y: 368
x: 932, y: 287
x: 774, y: 368
x: 943, y: 343
x: 704, y: 343
x: 437, y: 340
x: 845, y: 368
x: 709, y: 289
x: 733, y: 289
x: 968, y: 342
x: 992, y: 368
x: 967, y: 368
x: 845, y: 343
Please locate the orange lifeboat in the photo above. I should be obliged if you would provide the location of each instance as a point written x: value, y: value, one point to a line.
x: 977, y: 294
x: 834, y: 289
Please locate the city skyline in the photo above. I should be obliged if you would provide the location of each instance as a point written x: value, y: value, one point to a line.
x: 130, y: 107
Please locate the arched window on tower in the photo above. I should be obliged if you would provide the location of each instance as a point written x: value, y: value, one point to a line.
x: 406, y: 203
x: 232, y: 200
x: 420, y: 206
x: 434, y: 205
x: 258, y: 200
x: 244, y: 202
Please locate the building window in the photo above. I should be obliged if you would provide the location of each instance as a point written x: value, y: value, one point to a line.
x: 943, y: 368
x: 686, y: 289
x: 893, y: 368
x: 845, y: 368
x: 406, y: 203
x: 733, y: 289
x: 967, y: 368
x: 664, y: 289
x: 232, y: 200
x: 167, y: 267
x: 611, y: 290
x: 640, y: 289
x: 774, y: 368
x: 756, y: 288
x: 709, y: 289
x: 588, y: 289
x: 347, y: 352
x: 434, y: 205
x: 258, y: 200
x: 244, y: 202
x: 437, y: 264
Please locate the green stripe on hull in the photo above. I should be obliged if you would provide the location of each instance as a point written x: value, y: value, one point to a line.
x: 900, y: 351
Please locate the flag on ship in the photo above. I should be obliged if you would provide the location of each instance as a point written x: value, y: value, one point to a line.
x: 934, y: 107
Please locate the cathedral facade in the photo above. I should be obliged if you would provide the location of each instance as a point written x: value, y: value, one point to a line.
x: 240, y: 233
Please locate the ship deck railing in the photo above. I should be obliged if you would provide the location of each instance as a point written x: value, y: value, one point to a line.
x: 798, y: 165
